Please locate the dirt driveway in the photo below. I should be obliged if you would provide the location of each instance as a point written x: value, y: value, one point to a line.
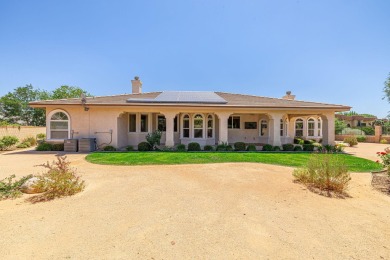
x: 215, y: 211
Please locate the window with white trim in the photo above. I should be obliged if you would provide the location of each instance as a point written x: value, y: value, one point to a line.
x: 132, y: 123
x: 198, y: 126
x: 263, y: 127
x: 234, y: 122
x: 299, y: 127
x: 144, y: 123
x: 59, y: 126
x: 319, y: 122
x: 310, y: 127
x: 210, y: 126
x: 281, y: 127
x: 186, y: 126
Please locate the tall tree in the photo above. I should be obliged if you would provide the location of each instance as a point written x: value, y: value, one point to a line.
x: 68, y: 92
x: 386, y: 89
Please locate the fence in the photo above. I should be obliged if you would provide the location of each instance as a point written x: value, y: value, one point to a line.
x: 379, y: 135
x: 22, y: 132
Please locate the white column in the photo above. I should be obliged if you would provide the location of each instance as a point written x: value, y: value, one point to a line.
x: 328, y: 134
x: 274, y: 131
x: 169, y: 134
x: 223, y: 126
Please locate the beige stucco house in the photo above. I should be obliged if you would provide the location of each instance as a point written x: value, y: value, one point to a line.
x: 184, y: 117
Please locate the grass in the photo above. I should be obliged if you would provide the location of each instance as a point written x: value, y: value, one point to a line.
x: 354, y: 164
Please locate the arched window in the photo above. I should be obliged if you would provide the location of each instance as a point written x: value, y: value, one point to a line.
x: 319, y: 129
x: 59, y: 126
x: 263, y: 127
x: 286, y: 127
x: 198, y: 126
x: 186, y: 126
x: 210, y: 126
x: 299, y: 127
x: 310, y: 127
x: 281, y: 127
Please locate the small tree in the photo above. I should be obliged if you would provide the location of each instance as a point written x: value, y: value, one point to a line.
x: 339, y: 126
x: 154, y: 139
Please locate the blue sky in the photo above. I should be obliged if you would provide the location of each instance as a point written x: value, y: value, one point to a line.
x: 325, y: 51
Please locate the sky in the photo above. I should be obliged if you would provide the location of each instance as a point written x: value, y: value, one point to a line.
x: 331, y: 51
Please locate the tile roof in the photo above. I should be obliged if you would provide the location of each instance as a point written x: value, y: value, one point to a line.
x: 232, y: 100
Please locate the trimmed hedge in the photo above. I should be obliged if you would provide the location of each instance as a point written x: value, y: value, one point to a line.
x: 298, y: 148
x: 239, y: 146
x: 194, y: 147
x: 181, y: 148
x: 288, y: 147
x: 267, y: 148
x: 144, y: 147
x: 208, y: 148
x: 109, y: 148
x: 308, y: 147
x: 251, y: 148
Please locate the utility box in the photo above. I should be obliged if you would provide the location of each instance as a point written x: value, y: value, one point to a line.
x: 70, y: 145
x: 87, y: 145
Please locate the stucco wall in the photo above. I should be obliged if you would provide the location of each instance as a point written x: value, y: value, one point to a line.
x: 22, y: 132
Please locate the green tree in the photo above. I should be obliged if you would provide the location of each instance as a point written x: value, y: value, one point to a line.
x: 68, y: 92
x: 339, y: 126
x: 386, y: 89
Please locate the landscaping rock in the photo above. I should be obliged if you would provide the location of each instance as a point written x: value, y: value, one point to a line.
x: 29, y: 186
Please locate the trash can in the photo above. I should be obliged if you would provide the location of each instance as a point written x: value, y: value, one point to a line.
x: 87, y: 145
x: 70, y: 145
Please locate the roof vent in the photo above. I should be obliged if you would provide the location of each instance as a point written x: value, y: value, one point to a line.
x: 136, y: 85
x: 288, y: 96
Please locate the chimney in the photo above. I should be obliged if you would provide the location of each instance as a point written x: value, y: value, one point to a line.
x: 288, y: 96
x: 136, y: 85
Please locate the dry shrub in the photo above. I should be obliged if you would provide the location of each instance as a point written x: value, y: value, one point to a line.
x: 60, y: 180
x: 324, y: 173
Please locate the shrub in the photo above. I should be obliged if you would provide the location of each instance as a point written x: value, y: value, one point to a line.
x: 23, y: 145
x: 223, y: 147
x: 267, y: 147
x: 7, y: 141
x: 44, y: 147
x: 41, y: 136
x: 144, y: 147
x: 368, y: 130
x: 308, y: 147
x: 181, y: 148
x: 351, y: 140
x: 60, y: 180
x: 361, y: 138
x: 57, y: 147
x: 298, y: 141
x: 383, y: 141
x: 276, y: 148
x: 10, y: 188
x: 109, y: 148
x: 308, y: 141
x: 30, y: 140
x: 297, y: 148
x: 229, y: 148
x: 251, y: 148
x: 154, y: 139
x: 194, y: 146
x: 239, y: 146
x: 288, y: 147
x: 385, y: 158
x: 326, y: 172
x: 208, y: 148
x: 129, y: 148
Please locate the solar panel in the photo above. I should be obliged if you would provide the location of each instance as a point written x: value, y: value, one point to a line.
x: 184, y: 97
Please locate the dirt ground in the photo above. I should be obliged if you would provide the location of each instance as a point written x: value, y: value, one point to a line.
x: 214, y: 211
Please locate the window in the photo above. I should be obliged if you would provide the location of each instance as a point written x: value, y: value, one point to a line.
x: 198, y: 126
x: 263, y: 127
x: 175, y: 124
x: 250, y: 125
x: 281, y: 127
x: 319, y: 127
x: 161, y: 123
x: 144, y: 123
x: 59, y: 126
x: 234, y: 122
x: 210, y: 126
x: 186, y: 126
x: 299, y: 127
x: 310, y: 127
x: 132, y: 122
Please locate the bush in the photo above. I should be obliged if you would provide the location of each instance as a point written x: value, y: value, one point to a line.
x: 267, y: 147
x: 351, y: 140
x: 229, y: 148
x: 298, y: 148
x: 23, y: 145
x: 208, y: 148
x: 7, y: 141
x: 181, y: 148
x: 239, y: 146
x: 383, y: 141
x: 251, y: 148
x: 326, y: 172
x: 368, y: 130
x: 109, y: 148
x: 222, y: 147
x: 60, y: 180
x: 44, y: 147
x: 276, y: 148
x: 298, y: 141
x: 308, y: 147
x: 288, y: 147
x: 144, y: 147
x: 30, y: 140
x: 129, y: 148
x: 57, y: 147
x: 308, y: 141
x: 41, y: 136
x: 193, y: 147
x: 154, y: 139
x: 361, y: 138
x: 10, y: 188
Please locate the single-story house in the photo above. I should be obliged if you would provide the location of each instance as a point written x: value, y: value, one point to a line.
x: 357, y: 120
x: 189, y: 116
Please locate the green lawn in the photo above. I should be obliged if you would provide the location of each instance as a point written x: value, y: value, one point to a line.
x: 355, y: 164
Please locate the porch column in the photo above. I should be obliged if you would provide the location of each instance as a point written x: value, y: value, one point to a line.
x: 223, y: 126
x: 274, y: 132
x: 328, y: 134
x: 169, y: 133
